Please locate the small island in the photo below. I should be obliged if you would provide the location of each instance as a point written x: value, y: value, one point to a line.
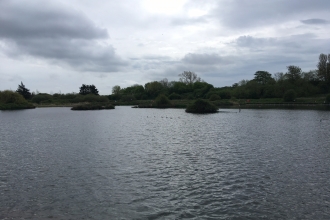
x: 93, y: 106
x: 202, y: 106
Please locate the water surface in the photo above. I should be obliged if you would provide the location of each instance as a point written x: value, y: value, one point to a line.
x: 164, y: 164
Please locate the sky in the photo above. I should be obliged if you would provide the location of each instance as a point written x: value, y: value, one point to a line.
x: 55, y: 46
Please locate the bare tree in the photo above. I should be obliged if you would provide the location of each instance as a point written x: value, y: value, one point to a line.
x: 164, y: 82
x: 189, y: 77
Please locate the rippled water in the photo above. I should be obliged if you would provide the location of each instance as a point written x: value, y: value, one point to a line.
x: 164, y: 164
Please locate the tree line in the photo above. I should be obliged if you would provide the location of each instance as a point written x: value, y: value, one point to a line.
x: 294, y: 82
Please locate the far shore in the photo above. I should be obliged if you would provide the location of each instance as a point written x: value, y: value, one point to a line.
x: 234, y: 105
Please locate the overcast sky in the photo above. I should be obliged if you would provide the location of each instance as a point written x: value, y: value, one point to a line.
x: 57, y: 45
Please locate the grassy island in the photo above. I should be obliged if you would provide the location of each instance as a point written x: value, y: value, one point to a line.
x: 202, y: 106
x: 10, y: 100
x: 93, y: 106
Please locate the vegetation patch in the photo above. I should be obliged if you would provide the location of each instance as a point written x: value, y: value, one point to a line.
x: 202, y: 106
x: 327, y: 99
x: 289, y: 96
x: 10, y: 100
x: 174, y: 96
x: 94, y: 106
x: 214, y: 97
x: 162, y: 102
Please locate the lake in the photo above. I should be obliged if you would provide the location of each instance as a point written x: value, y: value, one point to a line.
x: 164, y: 164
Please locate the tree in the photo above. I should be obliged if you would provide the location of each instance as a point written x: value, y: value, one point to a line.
x: 279, y: 77
x: 93, y: 90
x: 116, y: 90
x: 88, y: 89
x: 23, y: 91
x: 294, y: 73
x: 263, y: 77
x: 328, y: 67
x: 188, y: 77
x: 322, y: 67
x: 164, y: 82
x: 153, y: 89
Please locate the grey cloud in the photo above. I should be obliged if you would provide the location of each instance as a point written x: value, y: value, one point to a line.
x: 152, y: 63
x: 315, y: 21
x: 18, y: 20
x: 246, y: 14
x: 202, y: 59
x: 57, y: 34
x: 248, y: 41
x: 79, y: 54
x: 307, y: 43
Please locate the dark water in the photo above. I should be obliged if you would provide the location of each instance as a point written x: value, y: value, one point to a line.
x: 164, y: 164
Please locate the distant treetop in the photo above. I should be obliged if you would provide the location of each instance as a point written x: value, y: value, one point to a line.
x: 23, y: 91
x: 88, y: 89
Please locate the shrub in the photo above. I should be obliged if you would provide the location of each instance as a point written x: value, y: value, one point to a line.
x: 91, y: 98
x: 327, y: 99
x: 201, y: 106
x: 289, y: 96
x: 174, y: 96
x: 214, y: 97
x: 10, y: 100
x: 162, y: 101
x: 42, y: 98
x: 127, y: 98
x: 7, y: 97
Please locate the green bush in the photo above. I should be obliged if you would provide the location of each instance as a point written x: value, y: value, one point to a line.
x: 289, y: 96
x: 7, y: 97
x: 327, y: 99
x: 214, y: 97
x: 91, y: 98
x: 174, y: 96
x: 162, y: 101
x: 201, y: 106
x: 127, y: 98
x: 10, y: 100
x: 42, y: 98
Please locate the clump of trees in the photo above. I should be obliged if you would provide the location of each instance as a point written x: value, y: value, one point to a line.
x: 264, y: 85
x: 189, y: 86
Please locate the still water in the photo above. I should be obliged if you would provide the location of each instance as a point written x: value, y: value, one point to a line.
x: 164, y: 164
